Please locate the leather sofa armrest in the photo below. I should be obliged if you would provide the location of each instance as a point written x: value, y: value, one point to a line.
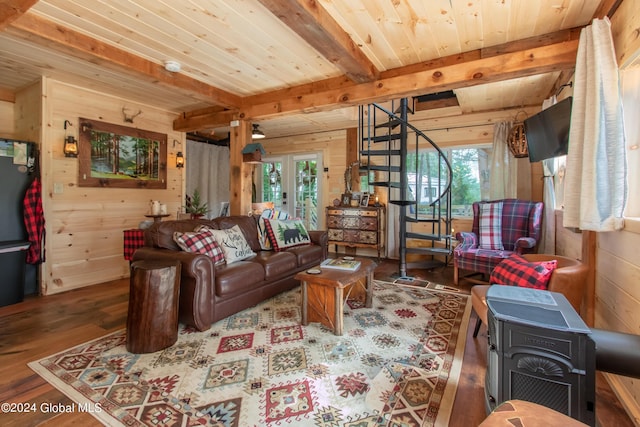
x: 191, y: 263
x: 321, y: 238
x: 197, y: 295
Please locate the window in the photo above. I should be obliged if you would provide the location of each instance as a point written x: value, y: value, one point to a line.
x: 631, y: 107
x: 470, y: 178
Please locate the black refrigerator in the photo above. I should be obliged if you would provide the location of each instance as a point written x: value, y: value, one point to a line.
x: 17, y: 170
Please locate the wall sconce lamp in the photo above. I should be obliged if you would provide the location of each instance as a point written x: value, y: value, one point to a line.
x: 257, y: 133
x: 70, y: 147
x: 179, y: 160
x: 252, y: 153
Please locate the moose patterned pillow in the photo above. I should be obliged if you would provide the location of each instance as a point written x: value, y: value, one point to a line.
x: 286, y: 234
x: 233, y: 244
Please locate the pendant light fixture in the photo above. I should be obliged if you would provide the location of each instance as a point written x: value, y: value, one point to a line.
x: 256, y: 133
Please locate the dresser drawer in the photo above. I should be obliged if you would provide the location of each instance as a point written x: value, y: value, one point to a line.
x: 352, y: 212
x: 336, y: 235
x: 334, y: 221
x: 368, y: 223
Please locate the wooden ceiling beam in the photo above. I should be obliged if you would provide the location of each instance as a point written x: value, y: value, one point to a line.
x: 65, y: 40
x: 191, y: 122
x: 557, y: 57
x: 10, y: 10
x: 454, y: 72
x: 607, y: 8
x: 7, y: 95
x: 316, y: 26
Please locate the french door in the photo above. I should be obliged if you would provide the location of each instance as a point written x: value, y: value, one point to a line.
x: 292, y: 182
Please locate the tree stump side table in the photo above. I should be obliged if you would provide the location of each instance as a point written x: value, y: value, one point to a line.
x: 152, y: 319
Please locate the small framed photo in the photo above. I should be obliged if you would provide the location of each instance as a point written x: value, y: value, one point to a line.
x: 346, y: 199
x: 224, y: 209
x: 364, y: 201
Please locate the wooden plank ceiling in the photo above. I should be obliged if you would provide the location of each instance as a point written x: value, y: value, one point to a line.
x: 295, y: 66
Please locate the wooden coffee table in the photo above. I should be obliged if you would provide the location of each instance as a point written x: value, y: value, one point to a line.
x: 324, y: 294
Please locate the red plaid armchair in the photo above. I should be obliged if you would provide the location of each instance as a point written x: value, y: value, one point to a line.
x: 515, y: 230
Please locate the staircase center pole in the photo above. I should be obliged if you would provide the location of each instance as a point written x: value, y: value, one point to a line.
x: 403, y: 189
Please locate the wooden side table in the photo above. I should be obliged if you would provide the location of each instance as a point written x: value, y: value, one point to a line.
x: 152, y: 319
x: 323, y: 294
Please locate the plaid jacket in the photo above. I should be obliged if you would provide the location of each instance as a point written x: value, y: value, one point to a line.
x: 34, y: 222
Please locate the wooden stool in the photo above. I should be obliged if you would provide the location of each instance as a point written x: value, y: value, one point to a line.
x: 152, y: 320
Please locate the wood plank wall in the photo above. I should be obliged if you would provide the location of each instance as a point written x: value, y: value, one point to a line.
x: 7, y: 120
x: 85, y: 225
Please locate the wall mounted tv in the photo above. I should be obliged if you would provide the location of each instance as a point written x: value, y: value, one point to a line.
x: 548, y: 131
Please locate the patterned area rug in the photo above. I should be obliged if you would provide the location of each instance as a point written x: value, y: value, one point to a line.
x: 262, y: 368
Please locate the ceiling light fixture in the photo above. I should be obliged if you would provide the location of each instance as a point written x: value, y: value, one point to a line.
x: 172, y: 66
x: 256, y: 133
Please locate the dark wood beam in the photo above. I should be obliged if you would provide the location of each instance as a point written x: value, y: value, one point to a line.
x: 78, y: 45
x: 10, y: 10
x: 312, y: 22
x: 606, y: 8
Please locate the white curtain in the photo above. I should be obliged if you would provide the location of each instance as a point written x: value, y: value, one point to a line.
x: 596, y: 186
x: 547, y: 243
x: 207, y: 169
x: 503, y: 168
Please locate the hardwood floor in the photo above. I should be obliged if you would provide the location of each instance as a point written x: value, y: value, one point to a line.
x: 41, y: 326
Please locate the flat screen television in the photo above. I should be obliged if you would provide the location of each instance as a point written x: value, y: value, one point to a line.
x: 547, y: 132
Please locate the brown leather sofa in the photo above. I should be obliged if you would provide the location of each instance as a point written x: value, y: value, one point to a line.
x: 211, y: 292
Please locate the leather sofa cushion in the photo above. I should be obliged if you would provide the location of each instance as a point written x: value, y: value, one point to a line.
x: 238, y: 278
x: 307, y: 255
x: 276, y: 264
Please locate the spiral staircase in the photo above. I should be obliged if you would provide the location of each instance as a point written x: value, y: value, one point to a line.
x: 387, y: 141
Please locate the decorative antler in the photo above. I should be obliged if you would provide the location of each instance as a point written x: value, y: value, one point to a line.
x: 129, y: 119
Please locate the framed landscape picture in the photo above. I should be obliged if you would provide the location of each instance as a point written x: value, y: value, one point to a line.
x: 119, y: 156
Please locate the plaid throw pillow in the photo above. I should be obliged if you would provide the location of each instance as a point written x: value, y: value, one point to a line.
x: 263, y: 237
x: 517, y: 271
x: 200, y: 241
x: 490, y: 226
x: 286, y: 234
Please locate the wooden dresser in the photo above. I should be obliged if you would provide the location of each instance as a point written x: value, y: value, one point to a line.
x: 358, y: 227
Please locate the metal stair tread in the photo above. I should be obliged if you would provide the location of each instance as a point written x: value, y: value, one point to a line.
x: 385, y: 184
x: 380, y: 152
x: 425, y: 220
x: 382, y: 138
x: 443, y: 251
x: 402, y: 202
x: 425, y: 236
x: 389, y: 124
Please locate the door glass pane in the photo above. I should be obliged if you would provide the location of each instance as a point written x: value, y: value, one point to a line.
x: 272, y: 183
x: 306, y: 192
